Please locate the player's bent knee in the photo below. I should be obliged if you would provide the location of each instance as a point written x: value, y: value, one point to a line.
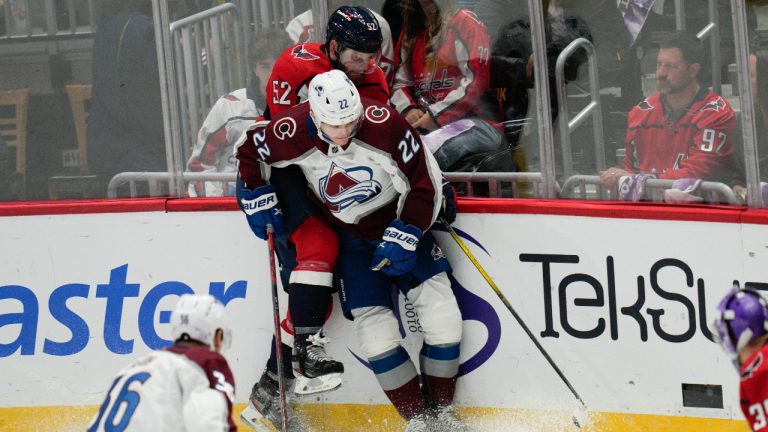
x: 317, y: 248
x: 377, y: 330
x: 316, y: 241
x: 438, y: 310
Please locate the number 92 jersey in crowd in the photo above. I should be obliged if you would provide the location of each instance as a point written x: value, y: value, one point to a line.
x: 754, y: 390
x: 182, y: 388
x: 296, y: 67
x: 383, y: 174
x: 695, y: 143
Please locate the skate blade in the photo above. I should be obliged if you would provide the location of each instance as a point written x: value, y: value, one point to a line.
x: 253, y: 419
x: 323, y: 383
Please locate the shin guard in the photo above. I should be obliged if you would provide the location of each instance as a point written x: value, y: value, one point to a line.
x: 397, y: 376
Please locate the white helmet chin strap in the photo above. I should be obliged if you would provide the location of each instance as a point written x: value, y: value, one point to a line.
x: 325, y: 137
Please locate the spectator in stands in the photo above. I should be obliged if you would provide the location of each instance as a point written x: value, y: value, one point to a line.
x: 512, y: 62
x: 233, y: 113
x: 758, y: 66
x: 125, y: 126
x: 682, y: 131
x: 301, y: 29
x: 443, y: 73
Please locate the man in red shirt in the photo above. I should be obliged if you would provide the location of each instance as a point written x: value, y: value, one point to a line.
x: 742, y: 330
x: 681, y: 131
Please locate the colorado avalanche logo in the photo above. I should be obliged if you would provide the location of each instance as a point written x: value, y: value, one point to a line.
x: 284, y: 128
x: 301, y: 53
x: 343, y: 187
x: 716, y: 105
x: 644, y: 105
x: 376, y: 114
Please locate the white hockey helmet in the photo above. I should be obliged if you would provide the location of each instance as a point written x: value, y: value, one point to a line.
x: 198, y: 317
x: 334, y: 99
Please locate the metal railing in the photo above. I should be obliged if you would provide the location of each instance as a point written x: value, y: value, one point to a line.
x: 568, y: 125
x: 590, y: 187
x: 210, y: 58
x: 157, y: 183
x: 500, y: 184
x: 36, y: 18
x: 497, y: 184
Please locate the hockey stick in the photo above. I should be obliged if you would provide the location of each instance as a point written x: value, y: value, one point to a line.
x: 278, y: 337
x: 579, y: 417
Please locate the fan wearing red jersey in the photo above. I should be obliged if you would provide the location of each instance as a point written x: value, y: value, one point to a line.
x: 741, y: 328
x: 681, y: 131
x: 371, y: 175
x: 443, y: 74
x: 186, y: 387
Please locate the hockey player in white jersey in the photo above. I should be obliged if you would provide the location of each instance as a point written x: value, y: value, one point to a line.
x: 369, y: 173
x: 187, y: 387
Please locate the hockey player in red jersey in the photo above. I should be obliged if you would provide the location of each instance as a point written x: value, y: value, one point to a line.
x: 369, y: 172
x: 353, y: 45
x: 683, y: 130
x: 741, y: 328
x: 187, y: 387
x: 307, y: 246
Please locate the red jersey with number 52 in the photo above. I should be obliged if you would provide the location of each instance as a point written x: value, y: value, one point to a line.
x: 754, y: 390
x: 296, y: 67
x: 697, y: 144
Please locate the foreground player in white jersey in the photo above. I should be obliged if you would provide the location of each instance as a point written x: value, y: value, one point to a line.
x: 187, y: 387
x: 368, y: 171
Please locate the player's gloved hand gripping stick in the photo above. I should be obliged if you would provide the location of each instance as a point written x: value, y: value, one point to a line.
x: 396, y: 254
x: 261, y: 209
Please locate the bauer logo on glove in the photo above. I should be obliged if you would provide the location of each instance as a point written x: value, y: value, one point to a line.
x: 260, y: 203
x: 405, y: 240
x: 262, y: 210
x: 396, y: 254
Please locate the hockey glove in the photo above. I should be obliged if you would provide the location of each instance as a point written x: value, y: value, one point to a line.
x: 261, y: 209
x: 684, y: 191
x: 631, y: 187
x: 448, y: 210
x: 396, y: 254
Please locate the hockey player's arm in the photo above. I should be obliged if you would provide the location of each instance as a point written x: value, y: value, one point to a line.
x: 282, y: 91
x: 711, y: 151
x: 206, y: 409
x: 257, y: 199
x: 419, y: 179
x: 208, y: 401
x: 472, y: 49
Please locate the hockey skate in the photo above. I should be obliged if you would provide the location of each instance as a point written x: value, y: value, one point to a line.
x: 263, y: 410
x: 315, y: 371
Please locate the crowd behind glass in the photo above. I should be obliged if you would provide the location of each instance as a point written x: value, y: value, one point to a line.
x: 644, y: 95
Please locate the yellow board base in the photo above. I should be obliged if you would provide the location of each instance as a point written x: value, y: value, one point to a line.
x: 383, y: 418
